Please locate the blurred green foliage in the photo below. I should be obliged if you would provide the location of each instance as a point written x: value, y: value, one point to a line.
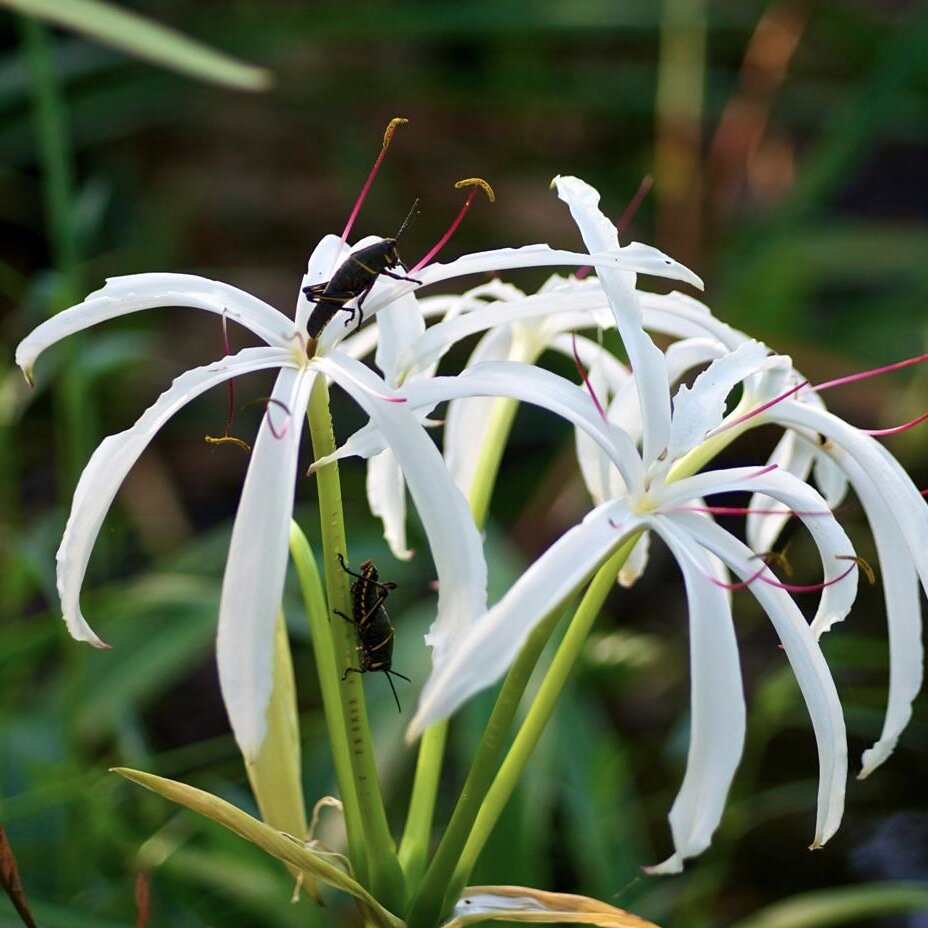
x: 788, y: 144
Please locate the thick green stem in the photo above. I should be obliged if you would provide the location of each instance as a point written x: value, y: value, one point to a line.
x: 329, y: 685
x: 414, y: 847
x: 386, y: 876
x: 427, y: 905
x: 538, y: 715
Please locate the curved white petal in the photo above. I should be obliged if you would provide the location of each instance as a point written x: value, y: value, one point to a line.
x: 386, y: 495
x: 541, y: 388
x: 645, y: 359
x: 124, y: 295
x: 717, y: 714
x: 682, y: 316
x: 467, y: 418
x: 432, y: 345
x: 909, y: 509
x: 364, y: 443
x: 482, y: 655
x: 454, y: 541
x: 829, y: 478
x: 398, y: 327
x: 903, y: 613
x: 701, y: 408
x: 689, y: 353
x: 113, y: 459
x: 830, y: 538
x: 808, y: 663
x: 637, y: 561
x: 253, y: 581
x: 768, y: 517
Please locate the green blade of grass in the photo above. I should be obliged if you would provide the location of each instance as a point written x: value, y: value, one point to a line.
x: 142, y: 38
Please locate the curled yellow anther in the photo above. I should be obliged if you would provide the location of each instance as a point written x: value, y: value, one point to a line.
x: 477, y: 182
x: 392, y: 126
x: 866, y: 569
x: 228, y: 439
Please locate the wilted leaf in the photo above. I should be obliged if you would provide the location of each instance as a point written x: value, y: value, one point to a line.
x: 9, y: 876
x: 316, y: 864
x: 522, y: 904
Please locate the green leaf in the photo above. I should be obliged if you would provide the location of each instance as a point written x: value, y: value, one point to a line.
x: 293, y: 852
x: 839, y: 906
x: 142, y: 38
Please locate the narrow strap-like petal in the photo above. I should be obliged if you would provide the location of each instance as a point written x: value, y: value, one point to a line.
x: 541, y: 388
x: 646, y: 360
x: 454, y: 541
x: 808, y: 663
x: 124, y: 295
x: 483, y: 654
x: 398, y: 327
x: 834, y: 546
x: 717, y: 713
x: 113, y: 459
x: 903, y: 612
x: 699, y: 408
x: 386, y: 496
x: 254, y: 577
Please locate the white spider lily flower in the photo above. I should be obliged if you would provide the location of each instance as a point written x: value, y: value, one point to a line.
x: 673, y: 509
x: 256, y: 565
x: 894, y: 507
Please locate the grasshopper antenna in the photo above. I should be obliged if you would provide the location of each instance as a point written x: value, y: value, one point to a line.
x: 409, y: 218
x: 392, y: 687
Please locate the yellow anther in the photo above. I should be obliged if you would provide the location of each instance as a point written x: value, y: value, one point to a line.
x: 228, y: 439
x: 477, y: 182
x: 862, y: 564
x: 391, y: 128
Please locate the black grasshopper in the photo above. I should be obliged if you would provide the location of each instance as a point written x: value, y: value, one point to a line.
x: 354, y: 278
x: 375, y: 633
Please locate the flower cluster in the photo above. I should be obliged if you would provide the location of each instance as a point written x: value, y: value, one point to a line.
x: 647, y: 430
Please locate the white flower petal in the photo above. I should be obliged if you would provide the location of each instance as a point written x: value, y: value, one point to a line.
x: 681, y: 316
x: 467, y: 419
x: 637, y: 561
x: 700, y: 408
x: 364, y: 443
x: 717, y: 715
x: 908, y: 507
x: 482, y: 655
x: 830, y: 538
x: 541, y: 388
x: 645, y: 359
x: 903, y: 613
x: 113, y: 459
x: 386, y: 495
x: 689, y: 353
x: 253, y: 582
x: 763, y: 528
x: 124, y: 295
x: 398, y: 327
x: 454, y: 541
x: 809, y: 666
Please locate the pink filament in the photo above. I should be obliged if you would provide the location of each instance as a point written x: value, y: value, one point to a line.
x: 586, y: 379
x: 758, y: 409
x: 388, y: 135
x: 895, y: 430
x: 270, y: 423
x: 873, y: 372
x: 451, y: 230
x: 746, y: 510
x: 790, y: 587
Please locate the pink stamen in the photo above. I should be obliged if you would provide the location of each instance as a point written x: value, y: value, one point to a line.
x: 270, y: 423
x: 584, y: 375
x: 789, y: 587
x: 764, y: 470
x: 757, y: 410
x: 895, y: 430
x: 387, y: 138
x: 475, y: 183
x: 634, y: 204
x: 873, y: 372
